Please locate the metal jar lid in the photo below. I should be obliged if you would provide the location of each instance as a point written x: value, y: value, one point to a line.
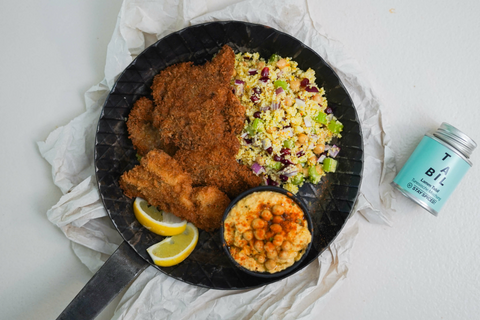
x: 456, y: 138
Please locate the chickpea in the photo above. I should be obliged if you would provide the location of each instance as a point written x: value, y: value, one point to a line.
x: 270, y: 264
x: 258, y: 223
x: 269, y: 234
x: 266, y: 215
x: 272, y: 255
x: 288, y: 101
x: 302, y: 138
x: 260, y: 160
x: 234, y: 73
x: 282, y: 63
x: 305, y: 171
x: 261, y: 258
x: 248, y: 235
x: 269, y: 247
x: 298, y: 144
x: 276, y: 228
x: 299, y: 167
x: 317, y: 98
x: 319, y: 169
x: 295, y: 85
x: 283, y: 255
x: 259, y: 234
x: 258, y: 245
x: 271, y: 129
x: 286, y: 246
x: 277, y: 240
x: 312, y: 160
x: 277, y: 219
x: 278, y: 210
x: 319, y: 148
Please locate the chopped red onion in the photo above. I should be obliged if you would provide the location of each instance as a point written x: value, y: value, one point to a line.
x: 321, y: 158
x: 252, y: 72
x: 244, y: 134
x: 239, y: 82
x: 267, y: 144
x: 279, y: 91
x: 314, y: 136
x: 308, y: 121
x: 264, y: 108
x: 286, y: 161
x: 275, y: 106
x: 312, y: 89
x: 289, y: 171
x: 333, y: 151
x: 257, y: 169
x: 327, y: 147
x: 300, y: 102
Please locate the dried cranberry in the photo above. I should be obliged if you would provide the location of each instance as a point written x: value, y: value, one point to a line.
x: 286, y: 161
x: 265, y: 72
x: 269, y: 150
x: 328, y: 110
x: 254, y: 98
x: 270, y: 182
x: 285, y: 151
x: 283, y: 178
x: 300, y: 153
x: 277, y: 158
x: 248, y: 141
x: 304, y: 82
x: 257, y: 90
x: 264, y: 79
x: 257, y: 114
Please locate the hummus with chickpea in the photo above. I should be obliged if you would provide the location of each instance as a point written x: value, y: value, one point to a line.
x: 266, y: 232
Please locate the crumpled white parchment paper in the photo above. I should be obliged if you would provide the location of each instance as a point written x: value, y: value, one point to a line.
x: 153, y: 295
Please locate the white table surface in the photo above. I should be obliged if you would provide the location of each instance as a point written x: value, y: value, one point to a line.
x: 422, y: 59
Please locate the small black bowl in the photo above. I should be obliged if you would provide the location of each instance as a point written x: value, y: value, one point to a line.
x: 260, y: 189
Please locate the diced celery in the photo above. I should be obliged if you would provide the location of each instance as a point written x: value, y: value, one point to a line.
x: 329, y: 165
x: 335, y: 126
x: 313, y: 175
x: 298, y: 179
x: 281, y: 83
x: 276, y: 165
x: 321, y: 117
x: 288, y: 144
x: 273, y: 58
x: 257, y: 124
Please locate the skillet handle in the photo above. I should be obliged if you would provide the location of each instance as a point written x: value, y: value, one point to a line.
x: 117, y: 272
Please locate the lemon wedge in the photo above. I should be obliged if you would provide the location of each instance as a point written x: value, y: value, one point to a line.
x: 175, y: 249
x: 159, y: 222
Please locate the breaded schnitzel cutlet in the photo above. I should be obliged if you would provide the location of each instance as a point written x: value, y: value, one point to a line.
x: 161, y: 181
x: 195, y: 118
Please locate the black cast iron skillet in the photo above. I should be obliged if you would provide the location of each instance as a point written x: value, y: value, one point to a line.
x: 330, y: 203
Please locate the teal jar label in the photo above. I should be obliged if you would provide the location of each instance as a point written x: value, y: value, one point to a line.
x: 431, y: 174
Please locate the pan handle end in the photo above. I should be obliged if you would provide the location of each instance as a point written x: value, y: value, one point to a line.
x: 116, y: 273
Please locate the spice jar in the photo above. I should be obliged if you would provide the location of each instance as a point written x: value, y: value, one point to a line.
x: 436, y: 167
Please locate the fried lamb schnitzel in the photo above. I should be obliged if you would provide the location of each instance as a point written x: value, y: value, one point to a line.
x: 161, y: 181
x: 195, y: 118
